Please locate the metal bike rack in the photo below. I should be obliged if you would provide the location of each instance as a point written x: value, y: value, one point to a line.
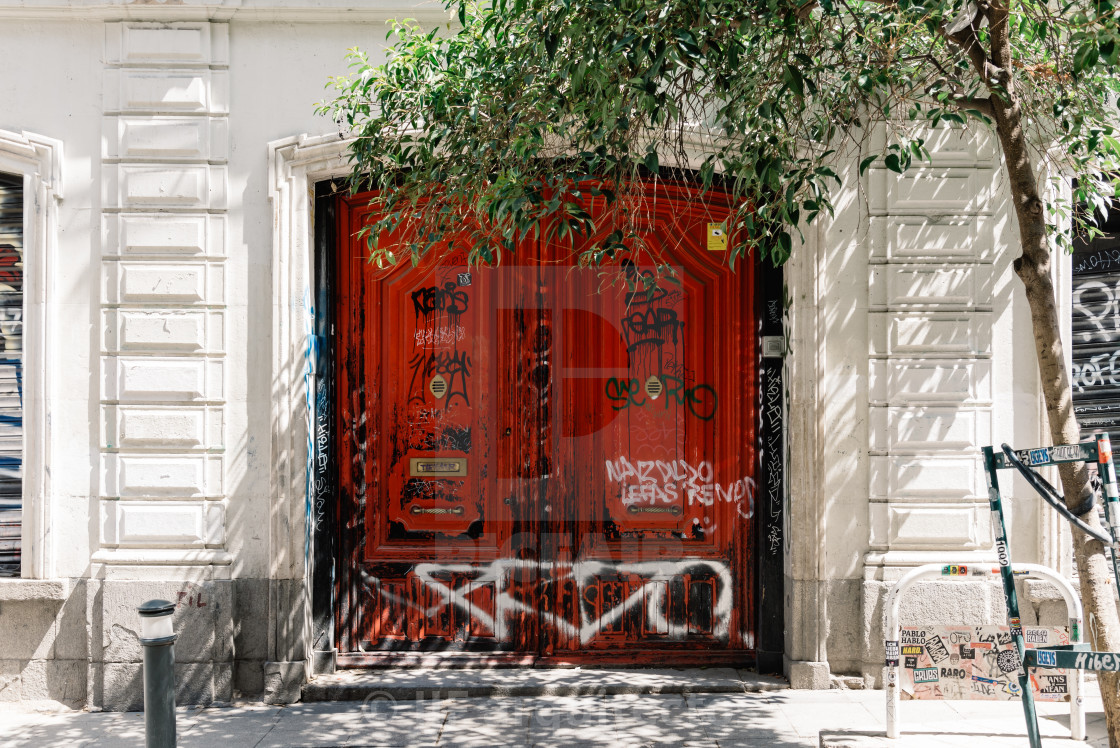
x: 979, y: 573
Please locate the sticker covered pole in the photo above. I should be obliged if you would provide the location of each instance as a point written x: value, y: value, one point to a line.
x: 1003, y: 554
x: 1107, y: 472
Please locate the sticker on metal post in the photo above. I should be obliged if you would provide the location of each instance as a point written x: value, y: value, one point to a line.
x: 1046, y: 658
x: 1008, y: 660
x: 1066, y: 453
x: 954, y: 570
x: 1001, y: 553
x: 891, y: 647
x: 1039, y: 456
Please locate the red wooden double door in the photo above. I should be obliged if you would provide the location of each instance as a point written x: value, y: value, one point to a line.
x: 547, y: 461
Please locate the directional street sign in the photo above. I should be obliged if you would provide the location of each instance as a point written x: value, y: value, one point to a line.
x: 1073, y: 659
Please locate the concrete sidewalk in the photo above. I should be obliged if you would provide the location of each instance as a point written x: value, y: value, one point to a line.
x: 780, y: 718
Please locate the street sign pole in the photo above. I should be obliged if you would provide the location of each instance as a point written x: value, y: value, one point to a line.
x: 1003, y: 554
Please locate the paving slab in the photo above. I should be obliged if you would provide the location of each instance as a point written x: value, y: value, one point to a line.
x: 770, y: 719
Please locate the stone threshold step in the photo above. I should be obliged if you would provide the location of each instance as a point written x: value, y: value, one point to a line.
x: 418, y: 684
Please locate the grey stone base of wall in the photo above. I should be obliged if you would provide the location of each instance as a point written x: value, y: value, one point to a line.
x: 283, y: 681
x: 82, y: 649
x: 62, y: 681
x: 828, y: 620
x: 119, y: 686
x: 204, y: 650
x: 809, y: 675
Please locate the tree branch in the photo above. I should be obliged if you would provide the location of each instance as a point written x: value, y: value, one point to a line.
x: 970, y: 44
x: 998, y: 21
x: 984, y: 106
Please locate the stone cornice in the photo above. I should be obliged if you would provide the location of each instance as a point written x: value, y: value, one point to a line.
x: 427, y: 12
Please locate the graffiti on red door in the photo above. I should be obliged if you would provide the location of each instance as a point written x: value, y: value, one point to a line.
x: 554, y: 460
x: 486, y: 596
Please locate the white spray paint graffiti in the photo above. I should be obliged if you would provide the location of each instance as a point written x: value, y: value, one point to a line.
x: 427, y: 337
x: 1105, y: 317
x: 649, y: 595
x: 652, y: 482
x: 772, y: 451
x: 1102, y: 369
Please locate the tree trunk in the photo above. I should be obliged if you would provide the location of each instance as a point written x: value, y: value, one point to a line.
x: 1034, y: 269
x: 1094, y: 572
x: 994, y: 65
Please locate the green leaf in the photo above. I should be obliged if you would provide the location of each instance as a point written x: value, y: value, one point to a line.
x: 707, y: 173
x: 866, y: 163
x: 1085, y: 57
x: 786, y: 243
x: 892, y: 162
x: 623, y: 43
x: 1109, y: 50
x: 795, y: 81
x: 650, y: 162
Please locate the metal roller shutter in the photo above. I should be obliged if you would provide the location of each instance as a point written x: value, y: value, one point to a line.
x: 1096, y: 329
x: 11, y: 372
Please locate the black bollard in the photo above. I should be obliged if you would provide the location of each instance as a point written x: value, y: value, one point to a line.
x: 157, y: 634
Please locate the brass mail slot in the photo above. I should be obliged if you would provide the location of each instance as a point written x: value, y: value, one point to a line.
x: 442, y: 467
x: 457, y: 510
x: 674, y: 510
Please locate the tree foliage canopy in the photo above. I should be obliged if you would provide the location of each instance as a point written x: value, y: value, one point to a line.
x: 524, y: 108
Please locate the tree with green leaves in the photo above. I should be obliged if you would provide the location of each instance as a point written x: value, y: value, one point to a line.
x: 525, y: 110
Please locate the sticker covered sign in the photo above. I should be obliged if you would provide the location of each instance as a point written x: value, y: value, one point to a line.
x: 976, y: 662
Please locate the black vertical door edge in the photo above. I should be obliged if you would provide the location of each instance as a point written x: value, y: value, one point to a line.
x: 770, y: 504
x: 322, y: 496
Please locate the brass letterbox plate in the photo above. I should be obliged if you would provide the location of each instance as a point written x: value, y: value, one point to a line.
x: 437, y: 467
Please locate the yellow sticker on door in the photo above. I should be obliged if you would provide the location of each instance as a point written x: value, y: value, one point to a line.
x: 717, y: 238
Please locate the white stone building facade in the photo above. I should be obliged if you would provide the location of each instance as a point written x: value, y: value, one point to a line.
x: 169, y: 152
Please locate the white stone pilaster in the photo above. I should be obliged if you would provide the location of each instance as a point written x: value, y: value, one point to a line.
x: 930, y: 331
x: 164, y: 198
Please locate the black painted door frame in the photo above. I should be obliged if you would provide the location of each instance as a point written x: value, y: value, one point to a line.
x: 328, y: 531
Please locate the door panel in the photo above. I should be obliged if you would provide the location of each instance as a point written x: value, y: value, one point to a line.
x: 549, y: 460
x: 437, y: 347
x: 649, y: 553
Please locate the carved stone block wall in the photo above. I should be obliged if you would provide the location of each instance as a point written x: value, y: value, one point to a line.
x: 930, y: 404
x: 930, y: 332
x: 164, y: 183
